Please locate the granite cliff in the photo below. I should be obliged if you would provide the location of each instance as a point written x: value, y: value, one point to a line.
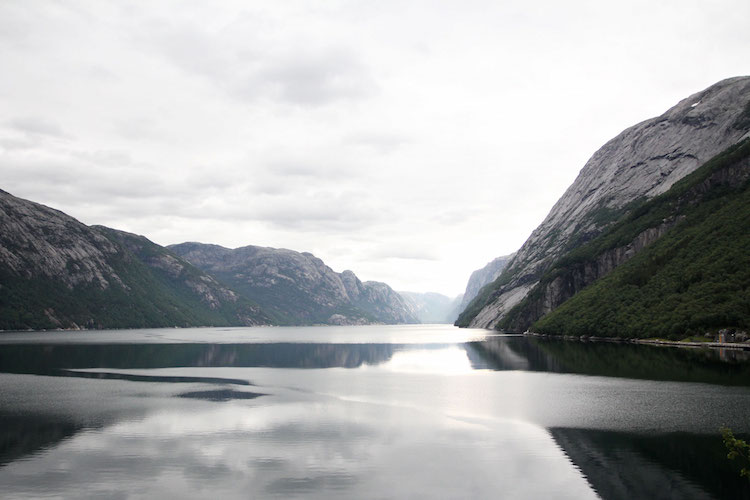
x: 643, y: 162
x: 56, y: 272
x: 297, y: 287
x: 676, y: 267
x: 483, y: 277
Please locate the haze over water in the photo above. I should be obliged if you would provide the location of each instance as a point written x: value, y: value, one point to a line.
x: 368, y: 412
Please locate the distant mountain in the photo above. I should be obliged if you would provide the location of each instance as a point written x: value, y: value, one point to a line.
x: 482, y: 277
x: 432, y: 307
x: 638, y: 165
x: 56, y: 272
x: 298, y: 288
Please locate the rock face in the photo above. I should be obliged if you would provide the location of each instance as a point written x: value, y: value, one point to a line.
x: 432, y: 307
x: 482, y: 277
x: 56, y: 272
x: 640, y: 163
x: 298, y: 288
x: 676, y: 266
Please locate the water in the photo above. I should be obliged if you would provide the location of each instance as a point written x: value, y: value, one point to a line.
x: 363, y: 412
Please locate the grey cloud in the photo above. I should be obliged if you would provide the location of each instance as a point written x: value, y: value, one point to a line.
x: 70, y: 181
x: 101, y: 158
x: 403, y: 254
x: 382, y: 142
x: 316, y: 78
x: 296, y: 174
x: 189, y: 48
x: 453, y: 217
x: 11, y: 144
x: 36, y: 126
x: 138, y: 129
x: 290, y: 167
x: 300, y: 213
x: 299, y: 75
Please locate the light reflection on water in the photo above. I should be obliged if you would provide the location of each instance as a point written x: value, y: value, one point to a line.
x: 421, y: 417
x: 451, y: 360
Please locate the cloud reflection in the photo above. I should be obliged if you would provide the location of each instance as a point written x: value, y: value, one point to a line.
x: 333, y: 450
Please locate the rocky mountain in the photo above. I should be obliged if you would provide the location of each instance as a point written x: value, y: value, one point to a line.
x: 298, y: 288
x: 432, y: 307
x: 677, y: 266
x: 482, y: 277
x: 641, y: 163
x: 56, y: 272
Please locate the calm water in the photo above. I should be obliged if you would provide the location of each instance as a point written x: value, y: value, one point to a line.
x: 363, y: 412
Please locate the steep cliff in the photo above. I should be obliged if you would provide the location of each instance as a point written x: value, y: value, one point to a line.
x: 56, y: 272
x: 677, y: 266
x: 298, y: 288
x: 483, y: 277
x: 639, y: 164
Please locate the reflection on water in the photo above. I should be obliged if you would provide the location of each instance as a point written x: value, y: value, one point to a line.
x: 674, y: 465
x: 438, y: 360
x: 715, y: 366
x: 410, y: 416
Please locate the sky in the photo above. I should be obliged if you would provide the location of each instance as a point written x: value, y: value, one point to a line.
x: 409, y: 141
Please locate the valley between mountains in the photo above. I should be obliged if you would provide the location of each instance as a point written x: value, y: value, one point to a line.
x: 650, y: 240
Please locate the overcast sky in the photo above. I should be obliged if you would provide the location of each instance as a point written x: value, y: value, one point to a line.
x: 409, y: 141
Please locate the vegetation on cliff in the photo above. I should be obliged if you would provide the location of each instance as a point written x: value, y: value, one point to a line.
x: 56, y: 272
x: 694, y: 279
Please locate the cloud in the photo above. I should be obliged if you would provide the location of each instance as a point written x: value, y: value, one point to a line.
x: 34, y: 125
x: 314, y: 78
x: 382, y: 142
x: 403, y: 250
x: 302, y: 73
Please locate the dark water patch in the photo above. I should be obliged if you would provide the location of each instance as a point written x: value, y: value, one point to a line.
x: 220, y: 395
x: 22, y: 435
x: 292, y: 486
x: 153, y: 378
x: 611, y: 360
x: 48, y: 359
x: 656, y: 466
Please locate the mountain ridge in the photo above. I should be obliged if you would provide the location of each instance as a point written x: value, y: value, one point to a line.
x: 56, y: 272
x: 691, y: 277
x: 642, y: 162
x: 297, y: 287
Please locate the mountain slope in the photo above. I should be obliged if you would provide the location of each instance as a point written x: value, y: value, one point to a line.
x: 56, y: 272
x: 640, y: 163
x: 694, y: 278
x: 432, y: 307
x: 483, y: 277
x: 298, y: 288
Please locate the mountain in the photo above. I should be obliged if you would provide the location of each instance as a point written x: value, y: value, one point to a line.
x: 56, y: 272
x: 639, y: 164
x: 482, y: 277
x: 298, y: 288
x: 676, y: 266
x: 432, y: 307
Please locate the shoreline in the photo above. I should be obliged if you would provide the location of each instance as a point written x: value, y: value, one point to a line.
x: 656, y: 342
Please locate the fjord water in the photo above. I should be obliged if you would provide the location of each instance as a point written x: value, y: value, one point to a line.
x: 412, y: 411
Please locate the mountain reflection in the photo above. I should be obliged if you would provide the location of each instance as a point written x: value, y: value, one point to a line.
x: 628, y: 465
x: 21, y: 435
x: 46, y: 359
x: 635, y: 361
x: 493, y: 353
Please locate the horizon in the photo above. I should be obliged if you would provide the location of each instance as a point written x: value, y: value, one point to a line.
x: 411, y: 144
